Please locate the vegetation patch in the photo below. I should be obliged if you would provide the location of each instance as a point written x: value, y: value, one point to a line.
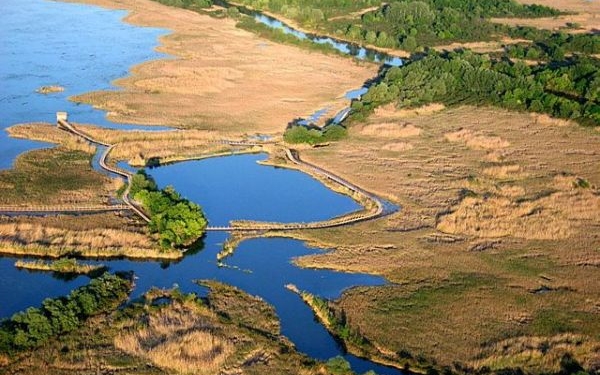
x: 313, y: 136
x: 57, y: 176
x: 406, y: 24
x: 63, y: 265
x: 105, y: 235
x: 568, y: 90
x: 241, y: 308
x: 50, y: 89
x: 34, y: 326
x: 177, y: 221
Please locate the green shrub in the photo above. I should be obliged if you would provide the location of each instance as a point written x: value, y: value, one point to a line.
x: 34, y: 326
x: 338, y: 366
x: 302, y: 134
x: 177, y: 221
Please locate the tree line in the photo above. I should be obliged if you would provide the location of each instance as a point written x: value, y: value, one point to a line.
x: 568, y: 89
x: 34, y: 326
x: 409, y: 24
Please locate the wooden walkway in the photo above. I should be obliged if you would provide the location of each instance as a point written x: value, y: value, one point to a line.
x: 126, y: 175
x: 292, y: 155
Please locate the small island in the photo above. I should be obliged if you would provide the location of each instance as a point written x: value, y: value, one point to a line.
x: 51, y: 89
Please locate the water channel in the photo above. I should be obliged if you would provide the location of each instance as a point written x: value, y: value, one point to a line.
x: 54, y: 43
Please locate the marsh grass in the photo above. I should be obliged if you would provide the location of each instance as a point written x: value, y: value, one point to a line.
x: 63, y: 265
x: 179, y: 338
x: 98, y: 235
x: 512, y: 230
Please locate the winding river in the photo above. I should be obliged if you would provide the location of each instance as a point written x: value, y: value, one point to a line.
x: 50, y: 54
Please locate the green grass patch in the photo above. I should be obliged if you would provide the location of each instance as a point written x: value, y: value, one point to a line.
x: 46, y: 176
x: 429, y: 296
x: 302, y: 134
x: 178, y: 221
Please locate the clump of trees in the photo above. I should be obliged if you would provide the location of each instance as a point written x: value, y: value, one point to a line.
x: 547, y: 45
x: 313, y: 136
x: 177, y: 221
x: 568, y: 89
x: 410, y: 24
x: 34, y: 326
x: 188, y: 4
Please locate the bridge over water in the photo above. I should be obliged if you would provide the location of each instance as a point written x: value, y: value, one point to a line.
x: 292, y: 155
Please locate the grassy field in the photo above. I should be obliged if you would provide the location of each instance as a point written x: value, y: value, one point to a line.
x: 58, y: 176
x: 105, y: 235
x: 224, y: 78
x: 171, y: 333
x: 496, y: 243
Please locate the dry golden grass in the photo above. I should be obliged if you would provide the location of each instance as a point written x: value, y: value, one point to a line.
x: 179, y: 339
x: 46, y: 132
x: 99, y: 235
x: 135, y: 147
x: 486, y: 219
x: 540, y: 353
x: 398, y: 146
x: 587, y: 14
x: 391, y: 130
x: 475, y: 140
x: 553, y: 217
x: 224, y: 78
x: 481, y: 47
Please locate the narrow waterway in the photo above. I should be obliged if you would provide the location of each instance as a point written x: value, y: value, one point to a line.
x: 64, y: 48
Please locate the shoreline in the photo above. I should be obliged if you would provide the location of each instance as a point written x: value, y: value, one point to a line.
x: 321, y: 314
x: 150, y: 80
x: 320, y: 33
x: 55, y: 253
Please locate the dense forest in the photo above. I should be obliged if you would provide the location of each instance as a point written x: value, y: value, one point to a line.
x: 34, y: 326
x: 177, y: 221
x: 567, y: 89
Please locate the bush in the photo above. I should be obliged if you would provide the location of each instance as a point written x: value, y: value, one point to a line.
x: 302, y: 134
x: 338, y: 366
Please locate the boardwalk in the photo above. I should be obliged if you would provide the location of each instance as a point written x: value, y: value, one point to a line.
x: 292, y: 155
x: 126, y: 175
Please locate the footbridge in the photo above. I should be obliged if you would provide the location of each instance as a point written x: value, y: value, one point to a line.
x: 292, y: 155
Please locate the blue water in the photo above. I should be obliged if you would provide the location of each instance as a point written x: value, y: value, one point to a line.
x: 84, y: 48
x: 237, y: 187
x: 358, y: 52
x: 52, y: 43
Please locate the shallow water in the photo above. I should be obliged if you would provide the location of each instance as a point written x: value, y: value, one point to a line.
x: 237, y: 187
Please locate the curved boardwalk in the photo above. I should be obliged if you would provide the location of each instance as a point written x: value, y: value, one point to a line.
x: 292, y: 155
x: 70, y: 128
